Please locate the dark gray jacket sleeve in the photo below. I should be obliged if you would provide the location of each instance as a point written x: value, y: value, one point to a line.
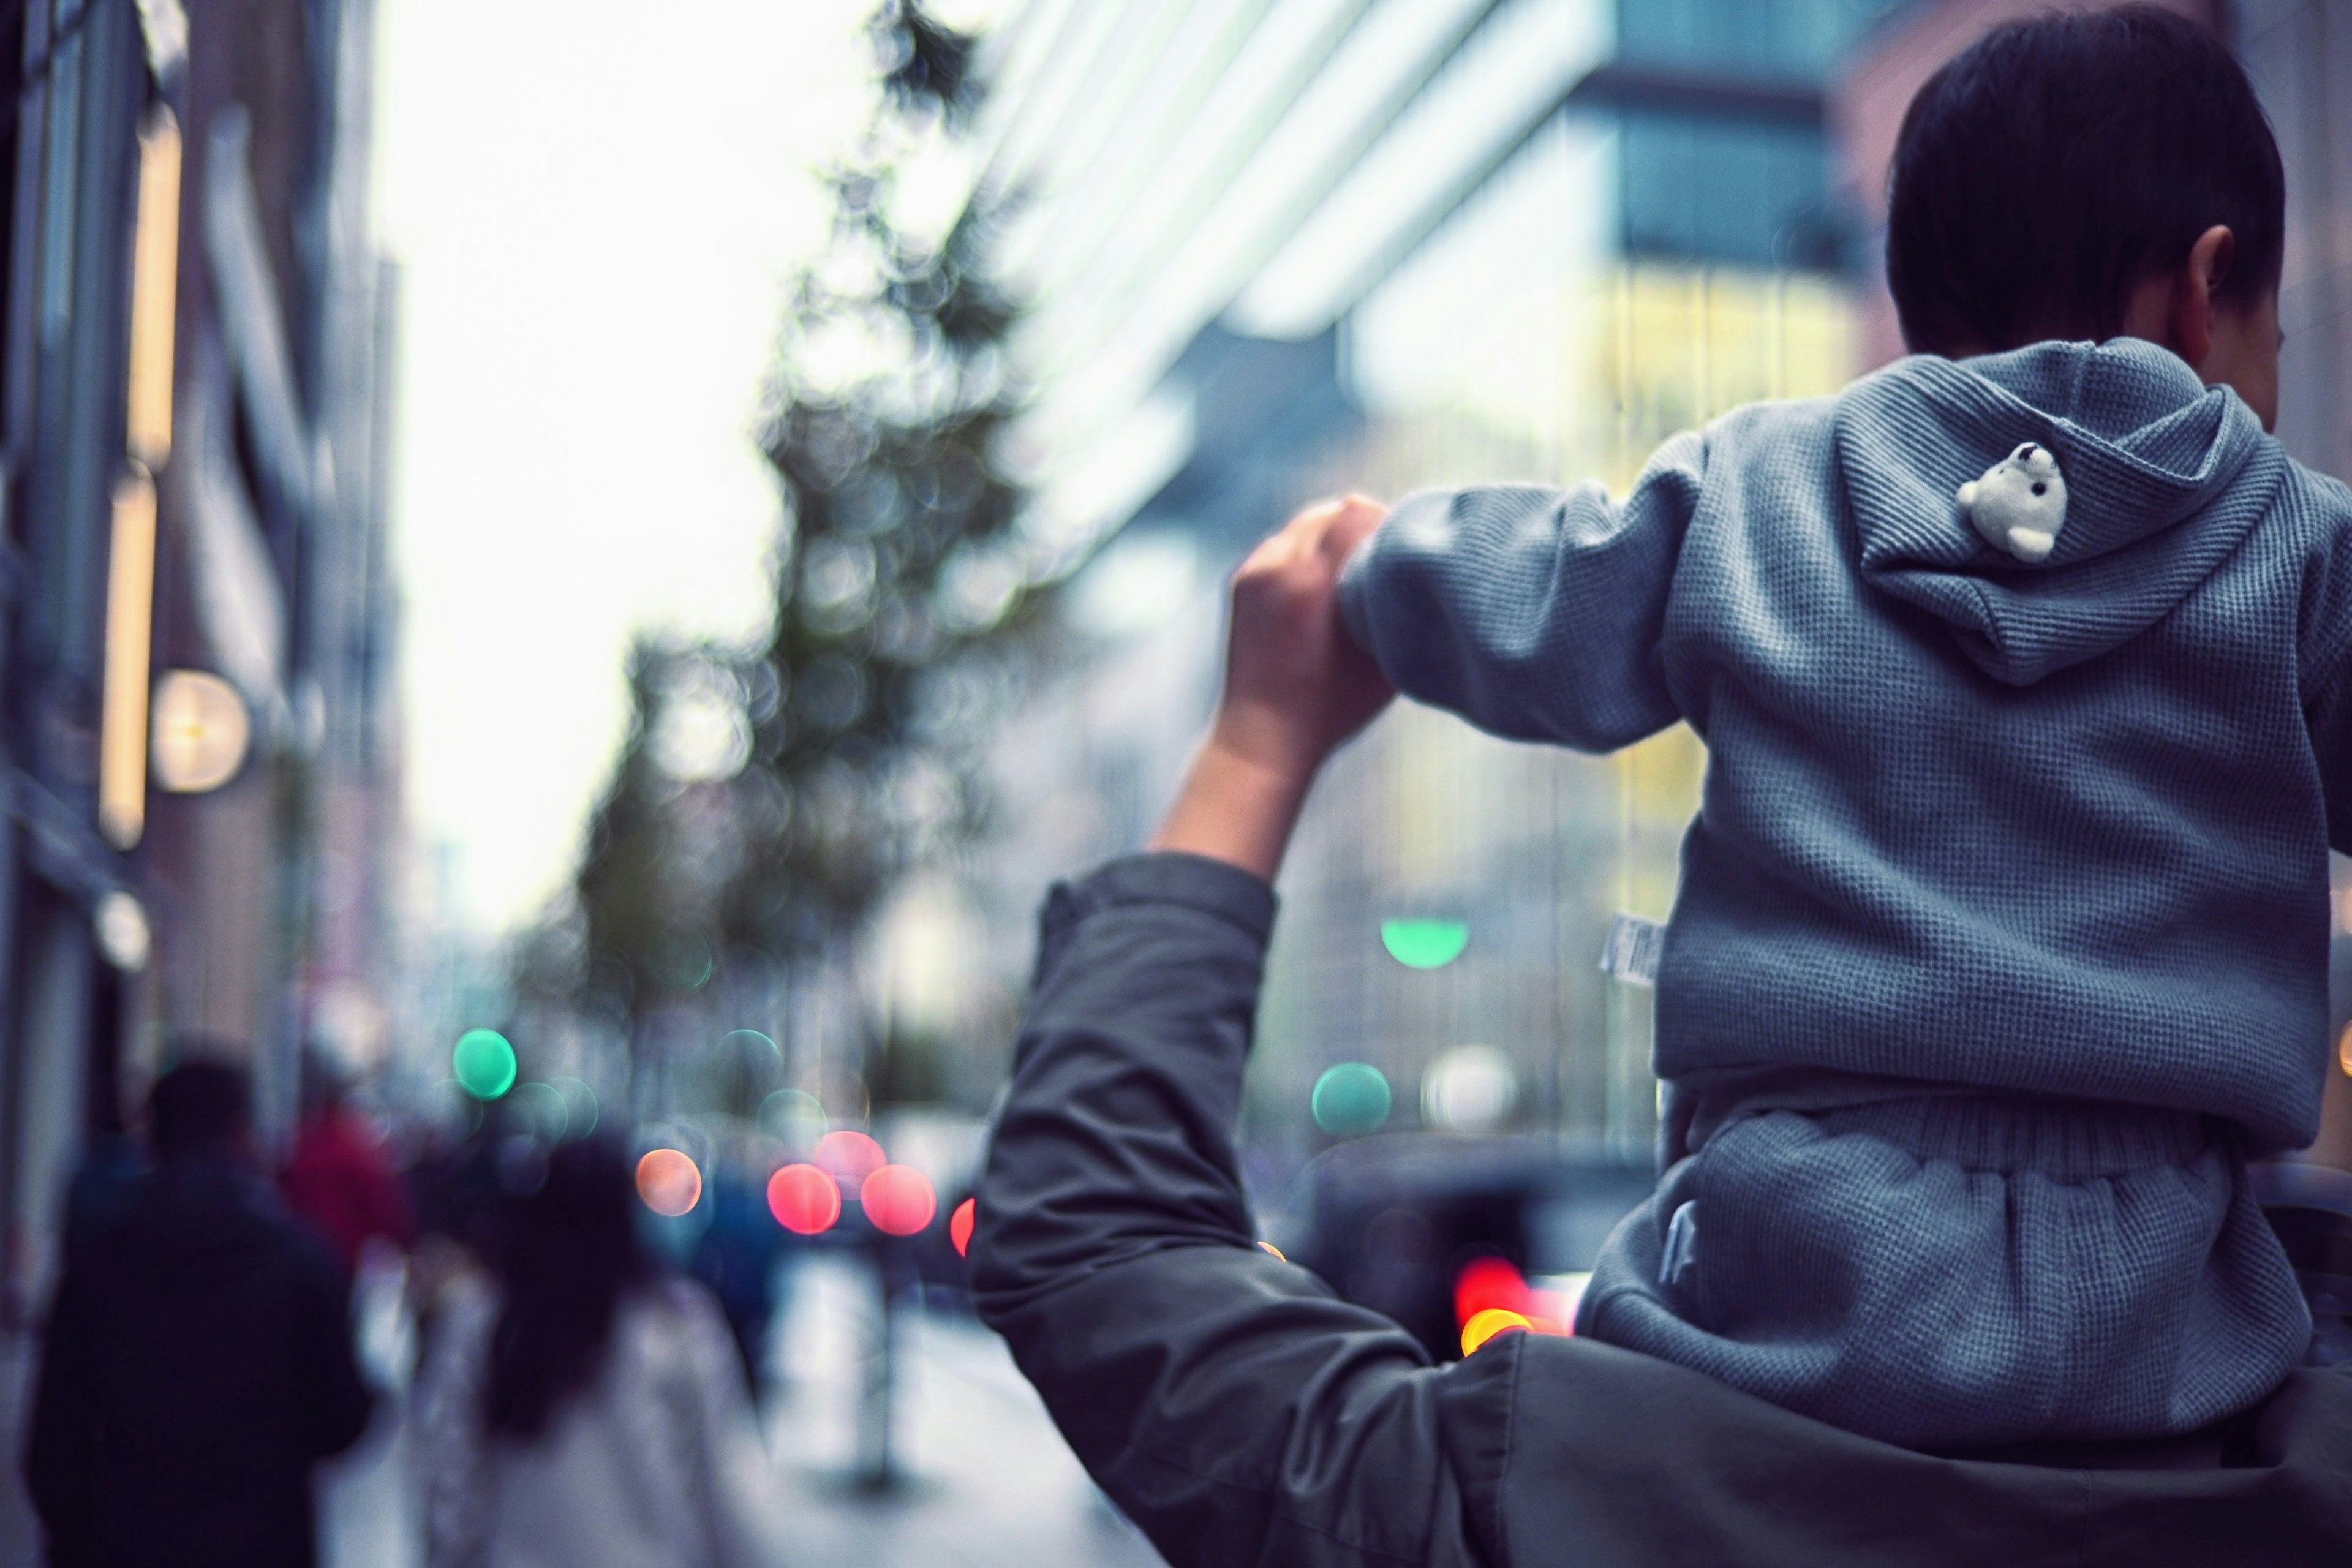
x: 1227, y: 1401
x: 1534, y: 613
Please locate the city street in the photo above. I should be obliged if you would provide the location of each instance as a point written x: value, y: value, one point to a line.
x: 668, y: 668
x: 987, y: 1481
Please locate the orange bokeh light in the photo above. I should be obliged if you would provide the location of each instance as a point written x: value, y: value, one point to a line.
x: 959, y: 1223
x: 1486, y: 1324
x: 670, y: 1182
x: 849, y: 1155
x: 898, y: 1200
x: 1269, y: 1246
x: 804, y: 1199
x: 1487, y: 1282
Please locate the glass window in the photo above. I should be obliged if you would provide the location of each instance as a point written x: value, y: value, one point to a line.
x: 1788, y: 39
x: 1721, y: 190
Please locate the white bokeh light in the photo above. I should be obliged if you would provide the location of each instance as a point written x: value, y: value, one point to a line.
x: 1469, y: 1089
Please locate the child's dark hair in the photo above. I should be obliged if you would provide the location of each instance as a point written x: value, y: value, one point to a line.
x: 2044, y: 174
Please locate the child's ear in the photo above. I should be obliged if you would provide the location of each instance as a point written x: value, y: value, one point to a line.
x: 2211, y: 258
x: 2193, y: 300
x: 2175, y: 307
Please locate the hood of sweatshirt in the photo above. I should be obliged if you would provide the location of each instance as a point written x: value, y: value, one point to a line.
x: 2164, y: 477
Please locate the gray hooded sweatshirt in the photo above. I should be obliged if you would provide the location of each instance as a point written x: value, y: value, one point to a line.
x: 2003, y: 932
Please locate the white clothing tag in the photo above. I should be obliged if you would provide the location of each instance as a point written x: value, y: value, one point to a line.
x: 1681, y: 1244
x: 1635, y: 943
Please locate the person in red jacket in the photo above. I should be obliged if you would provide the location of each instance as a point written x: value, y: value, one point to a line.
x: 338, y: 1179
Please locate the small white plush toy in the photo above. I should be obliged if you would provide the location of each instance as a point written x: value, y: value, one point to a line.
x: 2019, y: 504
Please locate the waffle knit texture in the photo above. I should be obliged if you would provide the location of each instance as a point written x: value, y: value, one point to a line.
x: 2003, y: 932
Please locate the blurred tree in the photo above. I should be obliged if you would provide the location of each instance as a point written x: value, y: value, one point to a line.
x: 763, y: 802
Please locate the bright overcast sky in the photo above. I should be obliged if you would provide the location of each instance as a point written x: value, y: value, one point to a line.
x: 595, y: 209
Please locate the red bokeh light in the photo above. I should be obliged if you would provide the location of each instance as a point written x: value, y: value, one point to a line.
x: 669, y: 1183
x: 848, y: 1155
x: 804, y: 1199
x: 898, y: 1200
x: 959, y: 1223
x: 1489, y: 1282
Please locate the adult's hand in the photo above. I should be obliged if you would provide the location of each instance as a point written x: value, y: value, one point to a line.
x: 1296, y: 686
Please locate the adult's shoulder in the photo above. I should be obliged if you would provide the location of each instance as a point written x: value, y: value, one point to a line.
x: 1635, y: 1460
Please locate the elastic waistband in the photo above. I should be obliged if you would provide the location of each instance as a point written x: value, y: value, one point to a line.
x: 2058, y: 1138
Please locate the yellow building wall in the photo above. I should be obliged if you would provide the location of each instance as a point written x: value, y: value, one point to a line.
x: 1427, y: 816
x: 1588, y: 383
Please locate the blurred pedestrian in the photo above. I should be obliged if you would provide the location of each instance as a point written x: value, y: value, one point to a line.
x: 460, y: 1213
x: 738, y: 1255
x: 581, y: 1406
x: 107, y: 1180
x: 197, y: 1361
x: 338, y: 1179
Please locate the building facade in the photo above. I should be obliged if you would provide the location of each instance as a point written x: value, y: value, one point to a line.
x: 198, y: 733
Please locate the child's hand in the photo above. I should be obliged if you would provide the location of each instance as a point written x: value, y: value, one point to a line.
x: 1296, y: 687
x: 1296, y: 683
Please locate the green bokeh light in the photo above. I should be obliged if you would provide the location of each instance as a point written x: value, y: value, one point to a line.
x: 1424, y: 944
x: 483, y: 1063
x: 1350, y: 1100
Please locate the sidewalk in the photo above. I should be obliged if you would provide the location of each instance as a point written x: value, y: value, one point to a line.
x: 988, y: 1483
